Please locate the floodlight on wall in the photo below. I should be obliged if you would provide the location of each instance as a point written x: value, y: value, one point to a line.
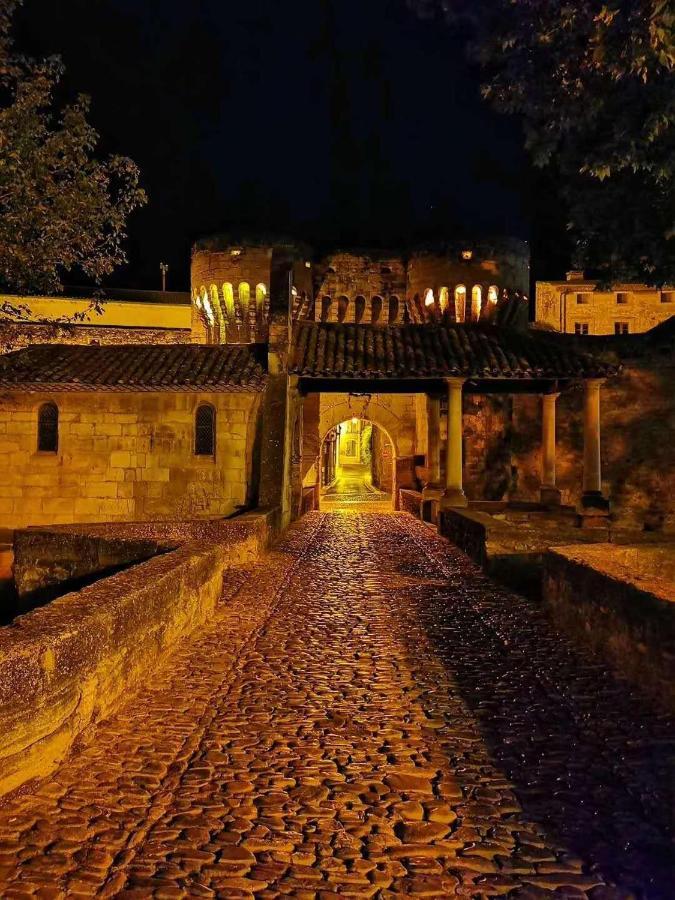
x: 235, y: 252
x: 467, y: 254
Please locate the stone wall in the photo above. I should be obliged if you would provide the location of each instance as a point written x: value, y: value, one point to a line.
x: 14, y: 336
x: 123, y: 457
x: 620, y: 601
x: 44, y: 557
x: 638, y: 455
x: 557, y: 306
x: 68, y: 664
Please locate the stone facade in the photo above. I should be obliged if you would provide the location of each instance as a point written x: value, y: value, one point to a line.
x: 137, y: 317
x: 231, y: 285
x: 578, y: 306
x: 124, y: 457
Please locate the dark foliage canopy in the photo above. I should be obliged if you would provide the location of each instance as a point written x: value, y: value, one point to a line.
x: 61, y: 208
x: 593, y: 82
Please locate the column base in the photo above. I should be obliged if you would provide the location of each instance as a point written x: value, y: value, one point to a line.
x: 432, y: 492
x: 593, y: 510
x: 452, y: 498
x: 549, y: 495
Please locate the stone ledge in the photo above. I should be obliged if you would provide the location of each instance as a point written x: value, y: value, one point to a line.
x: 620, y: 600
x: 68, y: 664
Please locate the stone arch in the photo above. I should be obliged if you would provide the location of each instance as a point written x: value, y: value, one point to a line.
x: 376, y: 309
x: 371, y: 411
x: 359, y: 309
x: 394, y: 309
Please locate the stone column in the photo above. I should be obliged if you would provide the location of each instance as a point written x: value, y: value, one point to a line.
x: 549, y: 493
x: 454, y: 493
x: 594, y: 505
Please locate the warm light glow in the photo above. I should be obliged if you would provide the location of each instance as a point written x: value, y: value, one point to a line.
x: 429, y: 297
x: 460, y: 303
x: 354, y: 420
x: 209, y: 311
x: 294, y: 291
x: 260, y: 294
x: 476, y: 302
x: 308, y: 265
x: 198, y: 302
x: 228, y: 297
x: 235, y: 252
x: 467, y: 254
x: 493, y: 293
x: 443, y: 299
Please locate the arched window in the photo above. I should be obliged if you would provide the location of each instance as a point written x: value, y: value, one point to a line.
x: 359, y: 309
x: 393, y: 310
x: 343, y: 307
x: 325, y: 308
x: 260, y: 294
x: 493, y: 293
x: 205, y: 430
x: 476, y: 302
x: 244, y: 298
x: 460, y: 303
x: 48, y: 428
x: 228, y: 299
x: 429, y: 298
x: 443, y: 299
x: 376, y: 307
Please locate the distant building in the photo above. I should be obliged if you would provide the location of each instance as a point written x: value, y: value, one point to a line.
x: 578, y: 306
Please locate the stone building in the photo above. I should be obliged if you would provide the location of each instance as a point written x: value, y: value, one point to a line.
x: 234, y: 398
x: 579, y: 306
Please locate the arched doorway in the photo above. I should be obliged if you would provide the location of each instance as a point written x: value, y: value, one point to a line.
x: 357, y: 467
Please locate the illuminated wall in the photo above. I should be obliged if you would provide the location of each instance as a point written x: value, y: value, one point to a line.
x: 123, y: 457
x: 577, y: 306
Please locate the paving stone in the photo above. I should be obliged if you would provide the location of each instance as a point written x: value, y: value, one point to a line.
x: 367, y: 715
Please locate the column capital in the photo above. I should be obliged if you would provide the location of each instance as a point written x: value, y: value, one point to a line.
x: 455, y: 381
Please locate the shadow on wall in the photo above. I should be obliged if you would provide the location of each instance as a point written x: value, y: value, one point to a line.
x: 638, y: 452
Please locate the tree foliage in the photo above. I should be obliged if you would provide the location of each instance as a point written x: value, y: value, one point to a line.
x: 61, y: 208
x: 593, y: 82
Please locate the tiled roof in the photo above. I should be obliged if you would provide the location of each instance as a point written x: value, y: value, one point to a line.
x: 133, y: 367
x: 432, y: 351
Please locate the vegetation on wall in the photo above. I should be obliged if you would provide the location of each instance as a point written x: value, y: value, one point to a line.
x: 61, y: 208
x: 593, y: 82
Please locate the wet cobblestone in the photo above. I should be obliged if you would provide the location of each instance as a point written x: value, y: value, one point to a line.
x: 369, y: 716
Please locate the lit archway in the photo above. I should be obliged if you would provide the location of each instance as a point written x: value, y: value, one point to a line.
x: 356, y: 467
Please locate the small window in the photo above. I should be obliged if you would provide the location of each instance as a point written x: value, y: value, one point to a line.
x: 583, y: 298
x: 385, y: 270
x: 581, y: 327
x: 621, y: 328
x: 667, y: 296
x: 205, y: 430
x: 48, y: 428
x: 622, y: 297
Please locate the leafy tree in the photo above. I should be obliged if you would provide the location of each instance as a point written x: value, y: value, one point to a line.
x: 593, y: 82
x: 61, y: 208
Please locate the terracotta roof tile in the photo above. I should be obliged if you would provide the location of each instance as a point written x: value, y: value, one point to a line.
x: 133, y: 367
x: 322, y: 350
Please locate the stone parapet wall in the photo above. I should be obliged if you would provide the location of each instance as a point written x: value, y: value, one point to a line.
x: 44, y: 557
x: 123, y: 457
x: 67, y: 665
x: 621, y: 602
x: 15, y: 336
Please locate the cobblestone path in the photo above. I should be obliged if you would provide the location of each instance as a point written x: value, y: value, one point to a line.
x: 368, y: 716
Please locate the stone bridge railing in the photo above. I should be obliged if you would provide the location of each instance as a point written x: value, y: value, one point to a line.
x: 69, y: 663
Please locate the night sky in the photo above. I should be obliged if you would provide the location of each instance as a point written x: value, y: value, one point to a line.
x: 341, y: 122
